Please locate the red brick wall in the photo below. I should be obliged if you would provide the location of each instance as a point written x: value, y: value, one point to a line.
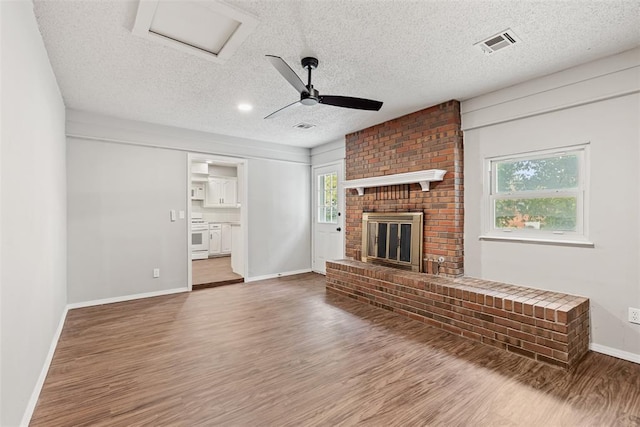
x: 427, y: 139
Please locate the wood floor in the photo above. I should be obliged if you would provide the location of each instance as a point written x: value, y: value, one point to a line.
x: 282, y: 353
x: 212, y: 272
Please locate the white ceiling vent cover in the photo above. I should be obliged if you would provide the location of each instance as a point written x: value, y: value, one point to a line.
x: 498, y: 41
x: 208, y: 29
x: 304, y: 126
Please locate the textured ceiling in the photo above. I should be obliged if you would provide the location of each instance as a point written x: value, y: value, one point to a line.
x: 409, y: 54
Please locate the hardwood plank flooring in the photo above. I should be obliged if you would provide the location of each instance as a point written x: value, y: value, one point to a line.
x: 207, y: 273
x: 283, y: 353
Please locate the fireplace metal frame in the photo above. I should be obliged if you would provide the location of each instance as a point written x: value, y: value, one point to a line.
x: 415, y: 219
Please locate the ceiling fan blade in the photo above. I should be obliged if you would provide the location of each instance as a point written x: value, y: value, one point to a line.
x: 286, y: 71
x: 277, y: 112
x: 350, y: 102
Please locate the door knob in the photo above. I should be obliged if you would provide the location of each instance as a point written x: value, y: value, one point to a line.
x: 338, y: 229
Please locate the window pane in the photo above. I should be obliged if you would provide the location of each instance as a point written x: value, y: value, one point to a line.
x: 549, y: 213
x: 550, y: 173
x: 328, y: 198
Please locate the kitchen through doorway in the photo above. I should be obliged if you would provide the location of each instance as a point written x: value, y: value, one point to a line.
x: 216, y: 230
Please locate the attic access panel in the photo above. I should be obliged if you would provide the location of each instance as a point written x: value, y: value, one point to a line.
x: 208, y: 29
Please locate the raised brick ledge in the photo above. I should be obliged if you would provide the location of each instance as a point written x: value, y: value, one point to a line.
x: 547, y: 326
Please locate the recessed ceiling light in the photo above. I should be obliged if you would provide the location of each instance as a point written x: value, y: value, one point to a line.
x: 245, y: 107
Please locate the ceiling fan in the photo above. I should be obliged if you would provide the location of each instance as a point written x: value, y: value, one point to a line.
x: 309, y: 95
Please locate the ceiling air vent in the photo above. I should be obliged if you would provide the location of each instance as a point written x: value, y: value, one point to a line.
x: 498, y: 41
x: 304, y: 126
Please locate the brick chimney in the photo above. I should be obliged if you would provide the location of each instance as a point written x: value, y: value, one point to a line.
x: 427, y: 139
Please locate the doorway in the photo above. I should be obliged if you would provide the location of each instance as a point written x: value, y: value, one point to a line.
x: 217, y: 213
x: 328, y: 215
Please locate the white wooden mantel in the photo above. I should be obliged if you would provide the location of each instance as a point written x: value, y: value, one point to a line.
x: 421, y: 177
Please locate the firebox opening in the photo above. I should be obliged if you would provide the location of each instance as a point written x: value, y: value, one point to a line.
x: 393, y: 239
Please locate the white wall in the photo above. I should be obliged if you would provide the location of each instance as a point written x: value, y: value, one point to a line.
x: 330, y: 152
x: 33, y: 209
x: 279, y: 217
x: 597, y: 103
x: 119, y: 202
x: 215, y: 170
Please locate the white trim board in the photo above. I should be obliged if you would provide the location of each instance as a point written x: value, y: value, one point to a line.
x: 126, y: 298
x: 276, y: 275
x: 35, y: 395
x: 92, y: 126
x: 614, y: 352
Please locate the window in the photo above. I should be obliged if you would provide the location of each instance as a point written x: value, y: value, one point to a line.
x: 539, y: 196
x: 328, y: 198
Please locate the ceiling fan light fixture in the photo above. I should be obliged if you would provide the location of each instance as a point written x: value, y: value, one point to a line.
x: 309, y: 98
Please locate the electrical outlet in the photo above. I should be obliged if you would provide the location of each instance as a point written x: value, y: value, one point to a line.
x: 156, y: 273
x: 634, y: 315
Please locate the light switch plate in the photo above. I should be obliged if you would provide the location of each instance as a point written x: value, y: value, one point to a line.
x: 173, y: 215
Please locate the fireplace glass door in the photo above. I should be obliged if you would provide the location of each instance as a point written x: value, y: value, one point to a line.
x: 389, y: 240
x: 393, y: 239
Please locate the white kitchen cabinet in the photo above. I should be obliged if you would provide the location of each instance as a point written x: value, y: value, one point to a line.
x: 199, y: 168
x: 215, y: 239
x: 221, y: 192
x: 225, y: 245
x: 198, y: 190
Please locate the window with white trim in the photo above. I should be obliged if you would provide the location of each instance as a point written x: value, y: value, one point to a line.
x: 328, y: 198
x: 540, y: 195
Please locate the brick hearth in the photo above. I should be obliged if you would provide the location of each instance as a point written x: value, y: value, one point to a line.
x: 547, y: 326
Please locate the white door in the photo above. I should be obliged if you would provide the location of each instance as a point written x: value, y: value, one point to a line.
x: 328, y: 215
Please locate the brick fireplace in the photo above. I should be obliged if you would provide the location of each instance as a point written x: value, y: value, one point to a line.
x: 427, y: 139
x: 546, y: 326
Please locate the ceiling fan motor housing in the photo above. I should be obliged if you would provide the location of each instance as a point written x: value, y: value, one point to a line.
x: 310, y: 62
x: 309, y: 98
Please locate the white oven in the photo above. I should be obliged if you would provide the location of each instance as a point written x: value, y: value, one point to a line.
x: 199, y: 237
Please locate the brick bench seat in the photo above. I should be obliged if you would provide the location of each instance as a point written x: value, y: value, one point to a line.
x: 547, y: 326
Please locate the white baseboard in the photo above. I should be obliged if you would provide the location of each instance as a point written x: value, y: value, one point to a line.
x: 125, y: 298
x: 275, y: 276
x: 620, y: 354
x: 31, y: 405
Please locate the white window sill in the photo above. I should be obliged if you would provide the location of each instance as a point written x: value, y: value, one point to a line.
x: 541, y: 241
